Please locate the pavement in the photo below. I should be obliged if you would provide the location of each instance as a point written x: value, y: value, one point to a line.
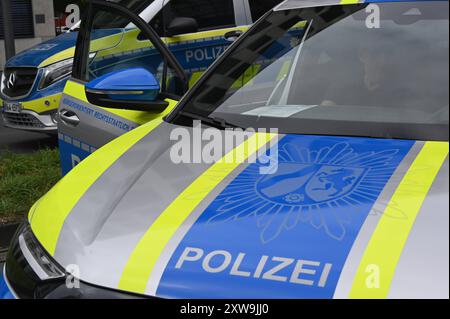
x: 24, y: 142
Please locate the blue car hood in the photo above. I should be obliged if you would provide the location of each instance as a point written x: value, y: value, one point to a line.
x: 34, y: 56
x: 37, y: 55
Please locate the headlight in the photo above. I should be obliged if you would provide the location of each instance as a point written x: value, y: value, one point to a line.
x: 58, y: 71
x: 37, y: 258
x: 2, y: 83
x: 55, y: 72
x: 32, y: 273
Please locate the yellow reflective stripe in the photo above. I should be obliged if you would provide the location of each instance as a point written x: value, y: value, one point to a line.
x: 60, y: 56
x: 96, y: 45
x: 284, y: 70
x: 350, y: 1
x: 127, y: 44
x: 77, y: 91
x: 39, y: 105
x: 195, y: 77
x: 202, y: 35
x: 32, y: 210
x: 387, y: 243
x: 250, y: 74
x: 142, y: 117
x: 48, y: 215
x: 143, y: 259
x: 105, y: 46
x: 247, y: 77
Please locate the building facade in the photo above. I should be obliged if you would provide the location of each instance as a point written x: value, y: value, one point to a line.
x: 34, y: 22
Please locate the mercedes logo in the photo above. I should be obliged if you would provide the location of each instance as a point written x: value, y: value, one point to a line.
x: 11, y: 80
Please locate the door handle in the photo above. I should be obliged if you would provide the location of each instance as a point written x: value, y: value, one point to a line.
x: 233, y: 35
x: 69, y: 118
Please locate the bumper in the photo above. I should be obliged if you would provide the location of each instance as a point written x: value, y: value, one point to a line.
x: 30, y: 121
x: 36, y: 115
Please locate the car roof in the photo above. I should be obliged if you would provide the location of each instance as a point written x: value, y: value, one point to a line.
x: 297, y: 4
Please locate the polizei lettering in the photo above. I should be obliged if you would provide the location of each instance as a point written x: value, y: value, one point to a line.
x: 204, y: 54
x: 294, y: 271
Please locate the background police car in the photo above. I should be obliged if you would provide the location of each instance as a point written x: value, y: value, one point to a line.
x: 220, y: 22
x: 43, y: 70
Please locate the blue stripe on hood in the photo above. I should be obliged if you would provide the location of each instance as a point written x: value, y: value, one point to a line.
x: 5, y: 293
x: 305, y: 217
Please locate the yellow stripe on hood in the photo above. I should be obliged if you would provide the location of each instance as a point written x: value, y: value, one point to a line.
x: 350, y: 1
x: 48, y: 215
x: 377, y: 268
x: 142, y: 261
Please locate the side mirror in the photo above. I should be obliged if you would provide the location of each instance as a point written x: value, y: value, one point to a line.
x: 130, y: 89
x: 181, y: 25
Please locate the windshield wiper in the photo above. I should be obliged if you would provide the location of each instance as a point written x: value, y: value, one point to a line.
x: 211, y: 121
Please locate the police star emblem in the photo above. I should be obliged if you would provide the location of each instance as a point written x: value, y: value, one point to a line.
x: 322, y: 187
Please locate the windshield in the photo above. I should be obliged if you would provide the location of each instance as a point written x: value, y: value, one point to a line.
x: 378, y: 70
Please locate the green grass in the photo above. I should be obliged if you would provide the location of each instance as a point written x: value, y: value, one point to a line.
x: 24, y: 178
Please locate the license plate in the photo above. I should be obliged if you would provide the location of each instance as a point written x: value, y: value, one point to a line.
x: 10, y: 107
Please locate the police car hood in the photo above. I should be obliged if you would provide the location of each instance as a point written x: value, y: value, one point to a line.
x: 54, y: 50
x: 132, y: 217
x: 35, y: 56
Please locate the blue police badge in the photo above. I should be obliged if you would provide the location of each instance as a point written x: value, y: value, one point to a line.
x: 302, y: 184
x: 324, y: 186
x: 331, y: 182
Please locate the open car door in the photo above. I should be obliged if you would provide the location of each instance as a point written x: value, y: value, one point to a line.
x: 123, y: 76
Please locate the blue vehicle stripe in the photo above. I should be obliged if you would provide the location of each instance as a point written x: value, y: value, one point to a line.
x: 72, y: 152
x: 285, y: 235
x: 5, y: 293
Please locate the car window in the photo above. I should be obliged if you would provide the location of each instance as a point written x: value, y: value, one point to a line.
x: 115, y: 49
x: 259, y: 7
x: 210, y: 14
x: 330, y: 72
x: 157, y: 24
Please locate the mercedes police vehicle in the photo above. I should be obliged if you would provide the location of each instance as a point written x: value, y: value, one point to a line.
x: 336, y: 185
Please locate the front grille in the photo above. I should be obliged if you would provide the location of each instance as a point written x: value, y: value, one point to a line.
x: 18, y: 82
x: 22, y: 120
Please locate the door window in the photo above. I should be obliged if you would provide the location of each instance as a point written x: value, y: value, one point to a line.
x: 259, y: 7
x: 117, y: 44
x: 209, y: 14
